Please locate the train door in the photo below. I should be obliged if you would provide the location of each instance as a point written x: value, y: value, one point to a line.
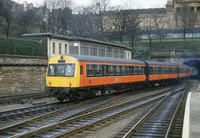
x: 147, y: 70
x: 82, y: 69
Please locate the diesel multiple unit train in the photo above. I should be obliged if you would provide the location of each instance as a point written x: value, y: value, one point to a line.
x: 76, y: 76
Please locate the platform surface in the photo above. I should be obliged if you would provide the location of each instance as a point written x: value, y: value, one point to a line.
x: 194, y: 129
x: 191, y: 125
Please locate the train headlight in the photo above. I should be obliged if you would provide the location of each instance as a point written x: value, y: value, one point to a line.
x: 49, y: 83
x: 70, y: 84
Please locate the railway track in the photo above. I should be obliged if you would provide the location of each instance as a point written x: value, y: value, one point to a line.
x: 65, y: 112
x: 177, y: 122
x: 80, y: 122
x: 22, y: 98
x: 30, y: 111
x: 50, y: 109
x: 161, y: 121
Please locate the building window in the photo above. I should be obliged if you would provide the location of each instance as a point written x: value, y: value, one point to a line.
x: 93, y: 51
x: 65, y: 48
x: 54, y: 48
x: 115, y: 53
x: 121, y: 53
x: 109, y: 52
x: 73, y: 50
x: 101, y: 51
x: 84, y: 50
x: 60, y: 48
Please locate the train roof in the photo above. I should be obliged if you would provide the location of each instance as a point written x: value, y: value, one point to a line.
x: 160, y: 63
x: 106, y: 59
x: 182, y: 65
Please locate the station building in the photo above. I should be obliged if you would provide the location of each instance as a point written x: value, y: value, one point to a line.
x: 61, y: 45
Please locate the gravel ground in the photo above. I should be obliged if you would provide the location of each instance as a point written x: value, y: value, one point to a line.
x: 113, y: 128
x: 128, y: 97
x: 16, y: 106
x: 144, y: 93
x: 28, y: 104
x: 195, y: 86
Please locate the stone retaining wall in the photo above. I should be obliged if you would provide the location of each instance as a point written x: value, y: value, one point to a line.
x: 22, y: 74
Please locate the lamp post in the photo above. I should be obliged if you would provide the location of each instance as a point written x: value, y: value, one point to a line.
x: 150, y: 47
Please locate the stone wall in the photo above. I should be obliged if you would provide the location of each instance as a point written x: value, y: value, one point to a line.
x: 22, y: 74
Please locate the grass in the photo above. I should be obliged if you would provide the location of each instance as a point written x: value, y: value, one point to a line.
x: 169, y: 44
x: 173, y: 40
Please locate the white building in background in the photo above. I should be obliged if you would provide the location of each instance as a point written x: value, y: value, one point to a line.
x: 62, y: 45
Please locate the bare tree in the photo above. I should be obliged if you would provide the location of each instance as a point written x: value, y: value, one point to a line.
x: 43, y: 19
x: 133, y: 27
x: 27, y: 19
x: 148, y: 25
x: 159, y: 23
x: 82, y: 23
x: 185, y: 19
x: 6, y: 13
x: 100, y: 17
x: 120, y: 22
x: 59, y: 15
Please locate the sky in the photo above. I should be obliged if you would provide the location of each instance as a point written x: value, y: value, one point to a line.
x: 134, y: 3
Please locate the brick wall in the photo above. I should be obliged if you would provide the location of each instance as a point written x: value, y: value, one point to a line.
x: 21, y: 74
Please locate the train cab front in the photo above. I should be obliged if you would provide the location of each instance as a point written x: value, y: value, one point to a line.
x: 61, y: 79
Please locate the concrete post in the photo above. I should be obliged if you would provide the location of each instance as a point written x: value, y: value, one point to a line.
x: 195, y: 10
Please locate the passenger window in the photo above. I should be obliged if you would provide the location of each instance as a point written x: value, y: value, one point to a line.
x: 90, y: 70
x: 123, y: 70
x: 135, y: 70
x: 105, y: 72
x: 151, y: 70
x: 142, y: 70
x: 139, y: 70
x: 111, y: 70
x: 117, y: 70
x: 98, y: 70
x: 127, y: 70
x: 159, y: 70
x: 131, y: 70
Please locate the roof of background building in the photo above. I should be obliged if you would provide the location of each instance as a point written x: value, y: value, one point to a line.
x: 150, y: 11
x: 74, y: 39
x: 139, y: 11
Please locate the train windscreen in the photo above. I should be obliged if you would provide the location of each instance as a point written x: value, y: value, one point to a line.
x: 61, y: 70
